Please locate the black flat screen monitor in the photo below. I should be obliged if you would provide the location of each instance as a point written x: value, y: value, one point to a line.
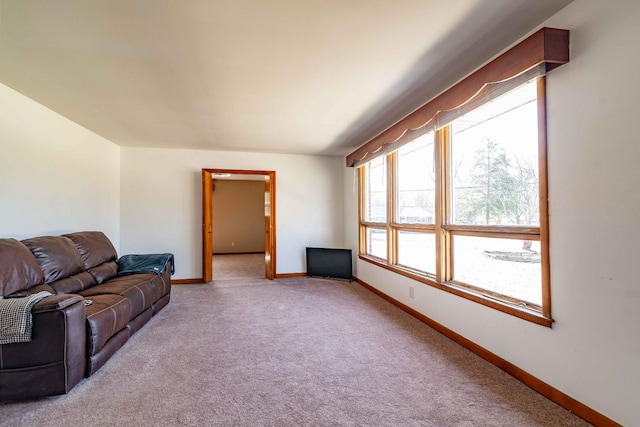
x: 333, y: 263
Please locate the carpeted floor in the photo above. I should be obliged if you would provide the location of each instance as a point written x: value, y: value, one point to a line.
x: 238, y: 266
x: 290, y: 352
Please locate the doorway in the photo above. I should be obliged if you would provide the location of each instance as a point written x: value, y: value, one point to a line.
x: 268, y: 177
x: 245, y: 267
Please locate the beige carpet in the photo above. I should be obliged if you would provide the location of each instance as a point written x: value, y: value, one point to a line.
x: 238, y: 266
x: 290, y: 352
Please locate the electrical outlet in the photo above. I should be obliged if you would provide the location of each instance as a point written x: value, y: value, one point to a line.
x: 233, y: 243
x: 411, y: 294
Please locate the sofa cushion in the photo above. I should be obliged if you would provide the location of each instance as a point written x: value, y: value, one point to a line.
x: 106, y: 316
x: 74, y: 284
x: 136, y: 288
x: 104, y: 271
x: 94, y: 247
x: 57, y: 256
x: 19, y: 269
x: 41, y: 288
x: 161, y: 284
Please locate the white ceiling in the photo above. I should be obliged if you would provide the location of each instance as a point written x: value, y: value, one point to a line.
x: 290, y: 76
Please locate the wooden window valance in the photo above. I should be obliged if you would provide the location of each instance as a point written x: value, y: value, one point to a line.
x: 538, y: 54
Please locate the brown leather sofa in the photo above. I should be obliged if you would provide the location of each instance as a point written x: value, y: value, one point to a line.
x: 71, y: 340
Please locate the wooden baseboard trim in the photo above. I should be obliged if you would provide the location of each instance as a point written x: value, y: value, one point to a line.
x: 187, y: 281
x: 289, y: 275
x: 551, y: 393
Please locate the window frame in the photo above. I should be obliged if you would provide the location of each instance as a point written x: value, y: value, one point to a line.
x: 444, y: 232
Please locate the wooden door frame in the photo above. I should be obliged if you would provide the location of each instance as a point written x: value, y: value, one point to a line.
x: 207, y: 220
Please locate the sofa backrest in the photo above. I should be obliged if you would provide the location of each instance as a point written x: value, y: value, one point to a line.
x: 19, y: 269
x: 95, y: 248
x: 69, y: 263
x: 61, y: 263
x: 57, y: 256
x: 98, y: 254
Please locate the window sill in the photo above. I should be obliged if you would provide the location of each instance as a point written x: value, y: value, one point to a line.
x: 492, y: 302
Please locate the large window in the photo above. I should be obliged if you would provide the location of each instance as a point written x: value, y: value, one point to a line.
x: 463, y: 207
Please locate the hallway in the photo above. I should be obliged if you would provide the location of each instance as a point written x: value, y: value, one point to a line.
x: 238, y: 266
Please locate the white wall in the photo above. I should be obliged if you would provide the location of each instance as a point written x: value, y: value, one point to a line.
x: 162, y: 203
x: 238, y: 216
x: 592, y: 353
x: 55, y: 176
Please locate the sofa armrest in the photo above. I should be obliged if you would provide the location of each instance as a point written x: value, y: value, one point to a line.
x: 54, y: 361
x: 56, y: 302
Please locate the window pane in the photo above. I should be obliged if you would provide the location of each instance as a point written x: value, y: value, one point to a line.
x: 416, y: 182
x: 494, y: 157
x: 505, y: 266
x: 377, y: 242
x: 417, y: 250
x: 376, y: 190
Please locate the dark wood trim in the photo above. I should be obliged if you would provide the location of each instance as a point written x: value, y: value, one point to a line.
x: 548, y: 391
x: 462, y: 291
x: 289, y: 275
x: 543, y: 204
x: 441, y: 166
x: 422, y: 228
x: 362, y: 230
x: 187, y: 281
x: 239, y: 171
x: 270, y: 268
x: 493, y: 234
x: 392, y: 199
x: 377, y: 225
x: 207, y: 220
x: 207, y: 225
x: 491, y: 229
x: 548, y: 46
